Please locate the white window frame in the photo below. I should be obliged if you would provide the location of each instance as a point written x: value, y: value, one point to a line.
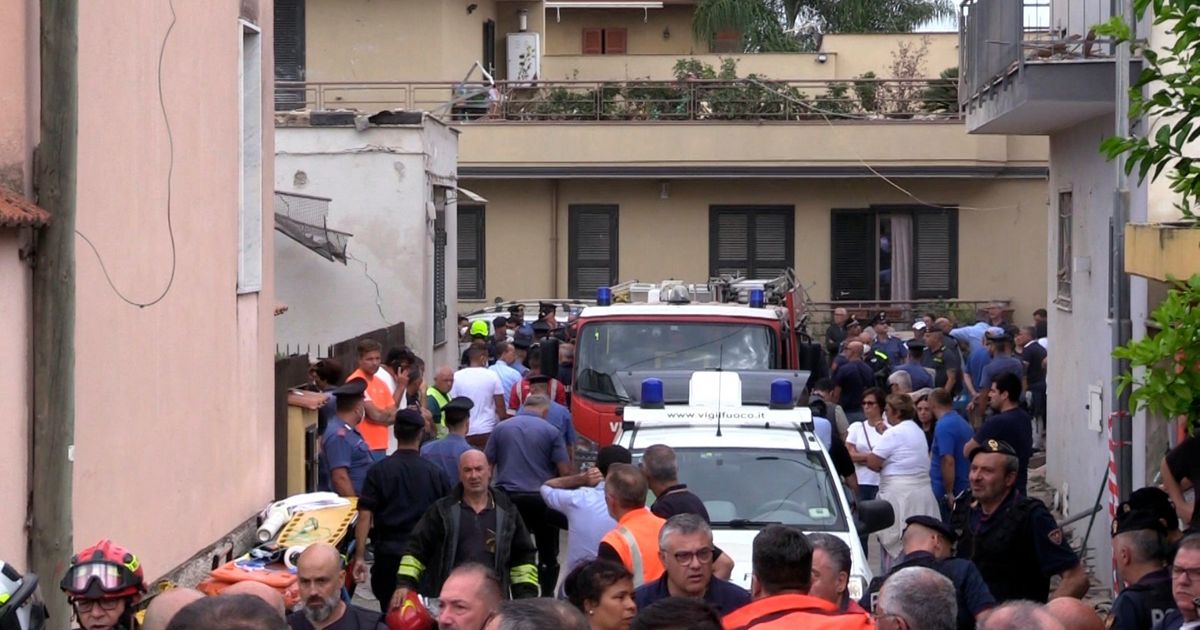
x: 250, y: 159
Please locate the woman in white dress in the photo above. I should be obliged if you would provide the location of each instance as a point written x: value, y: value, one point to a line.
x: 901, y: 457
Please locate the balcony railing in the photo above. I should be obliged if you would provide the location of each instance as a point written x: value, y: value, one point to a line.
x: 688, y: 100
x: 998, y: 37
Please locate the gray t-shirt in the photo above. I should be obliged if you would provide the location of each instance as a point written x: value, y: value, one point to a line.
x: 525, y: 450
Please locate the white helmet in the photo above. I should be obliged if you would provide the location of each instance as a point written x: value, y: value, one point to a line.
x: 21, y: 605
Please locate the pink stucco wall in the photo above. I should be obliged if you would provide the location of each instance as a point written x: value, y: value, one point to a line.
x: 174, y: 412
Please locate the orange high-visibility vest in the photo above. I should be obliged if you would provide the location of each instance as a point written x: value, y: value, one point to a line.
x: 376, y: 435
x: 636, y: 540
x: 780, y: 612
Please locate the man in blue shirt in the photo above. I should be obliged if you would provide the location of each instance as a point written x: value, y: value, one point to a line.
x: 1010, y: 424
x: 893, y: 347
x: 686, y: 550
x: 506, y: 356
x: 558, y: 415
x: 445, y: 451
x: 948, y: 464
x: 921, y: 378
x: 1003, y: 361
x: 581, y: 499
x: 528, y: 451
x: 851, y: 380
x: 345, y: 456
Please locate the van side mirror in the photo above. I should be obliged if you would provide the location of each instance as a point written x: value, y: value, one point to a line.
x: 873, y: 515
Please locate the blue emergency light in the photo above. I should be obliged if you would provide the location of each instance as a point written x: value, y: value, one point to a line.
x: 603, y: 296
x: 781, y: 394
x: 652, y: 394
x: 756, y: 298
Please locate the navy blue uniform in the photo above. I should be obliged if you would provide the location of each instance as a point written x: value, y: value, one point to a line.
x: 894, y: 348
x: 969, y: 588
x: 1144, y: 603
x: 726, y: 597
x: 342, y: 446
x: 1017, y: 548
x: 920, y: 378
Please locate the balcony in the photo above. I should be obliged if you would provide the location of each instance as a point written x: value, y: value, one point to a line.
x: 1034, y: 67
x: 743, y: 128
x: 1162, y: 251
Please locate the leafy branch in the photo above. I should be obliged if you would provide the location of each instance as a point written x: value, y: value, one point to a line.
x: 1171, y: 383
x: 1167, y: 93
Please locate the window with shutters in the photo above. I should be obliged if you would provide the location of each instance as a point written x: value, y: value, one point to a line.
x: 893, y: 253
x: 470, y: 252
x: 289, y: 52
x: 605, y: 41
x: 592, y: 249
x: 440, y: 310
x: 1066, y: 220
x: 751, y: 241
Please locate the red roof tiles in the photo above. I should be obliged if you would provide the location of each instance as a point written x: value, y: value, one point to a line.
x: 17, y: 211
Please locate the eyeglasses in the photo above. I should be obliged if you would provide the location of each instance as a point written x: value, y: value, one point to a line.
x: 86, y: 605
x: 1192, y: 573
x: 870, y: 403
x: 704, y: 555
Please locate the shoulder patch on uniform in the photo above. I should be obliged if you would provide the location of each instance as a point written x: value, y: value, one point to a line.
x: 1056, y: 536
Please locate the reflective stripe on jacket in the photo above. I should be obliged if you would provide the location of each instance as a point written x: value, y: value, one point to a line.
x: 636, y: 541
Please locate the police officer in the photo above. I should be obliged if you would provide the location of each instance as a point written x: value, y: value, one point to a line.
x: 397, y: 491
x: 446, y: 450
x: 912, y: 365
x: 345, y: 456
x: 892, y: 347
x: 1158, y: 502
x: 944, y: 358
x: 878, y: 361
x: 1013, y: 539
x: 1138, y: 546
x: 927, y: 543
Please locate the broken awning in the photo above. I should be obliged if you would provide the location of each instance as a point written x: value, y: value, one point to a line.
x: 473, y: 196
x: 302, y: 218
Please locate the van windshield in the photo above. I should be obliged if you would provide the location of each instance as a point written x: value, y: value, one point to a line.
x: 605, y: 348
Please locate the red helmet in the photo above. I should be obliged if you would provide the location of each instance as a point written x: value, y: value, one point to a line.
x: 105, y: 570
x: 411, y: 615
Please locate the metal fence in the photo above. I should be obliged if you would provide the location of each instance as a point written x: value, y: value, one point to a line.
x: 644, y: 100
x: 998, y: 37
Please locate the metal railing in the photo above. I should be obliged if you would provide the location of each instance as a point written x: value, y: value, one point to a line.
x: 998, y: 37
x: 642, y: 100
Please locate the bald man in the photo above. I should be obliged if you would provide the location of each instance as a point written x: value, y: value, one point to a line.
x: 164, y: 606
x: 261, y: 591
x: 851, y: 380
x: 1020, y: 615
x: 1074, y: 614
x: 321, y: 575
x: 438, y: 394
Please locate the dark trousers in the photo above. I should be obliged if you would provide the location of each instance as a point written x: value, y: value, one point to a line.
x: 544, y: 524
x: 478, y: 441
x: 866, y: 492
x: 383, y: 578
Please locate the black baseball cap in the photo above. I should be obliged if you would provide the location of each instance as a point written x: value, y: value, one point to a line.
x: 1129, y: 519
x: 409, y: 418
x: 1155, y: 501
x: 352, y: 389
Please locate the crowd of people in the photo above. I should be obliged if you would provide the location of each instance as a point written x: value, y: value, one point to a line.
x: 465, y: 486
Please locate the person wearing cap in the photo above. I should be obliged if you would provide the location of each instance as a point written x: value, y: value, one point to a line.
x: 479, y: 339
x: 446, y: 451
x: 1139, y: 540
x: 548, y: 315
x: 345, y: 456
x: 396, y: 493
x: 920, y: 377
x: 522, y: 341
x: 943, y: 358
x: 893, y: 347
x: 1003, y: 361
x: 1009, y: 423
x: 918, y: 330
x: 1156, y: 501
x: 928, y: 542
x: 1013, y: 539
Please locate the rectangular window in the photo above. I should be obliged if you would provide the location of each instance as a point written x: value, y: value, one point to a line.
x: 289, y: 52
x: 753, y: 242
x: 894, y: 253
x: 1066, y: 212
x: 592, y: 249
x: 440, y: 310
x: 470, y: 253
x: 605, y: 41
x: 250, y: 156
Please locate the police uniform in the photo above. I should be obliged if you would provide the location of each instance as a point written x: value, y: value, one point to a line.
x: 446, y: 450
x: 397, y: 492
x: 919, y: 376
x: 892, y: 347
x: 1019, y: 546
x: 943, y: 359
x: 971, y: 592
x: 342, y: 446
x: 1146, y: 602
x: 881, y: 367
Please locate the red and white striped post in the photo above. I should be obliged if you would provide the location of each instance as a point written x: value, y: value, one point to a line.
x: 1114, y: 492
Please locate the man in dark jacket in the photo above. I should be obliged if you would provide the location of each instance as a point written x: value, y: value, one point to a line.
x: 472, y: 524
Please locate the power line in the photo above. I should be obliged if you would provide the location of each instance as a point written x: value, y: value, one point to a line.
x: 162, y: 104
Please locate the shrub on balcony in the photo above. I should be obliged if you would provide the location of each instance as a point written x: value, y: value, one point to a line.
x: 942, y: 94
x: 866, y: 88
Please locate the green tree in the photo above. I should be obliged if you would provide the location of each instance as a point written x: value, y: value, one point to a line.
x: 1168, y: 93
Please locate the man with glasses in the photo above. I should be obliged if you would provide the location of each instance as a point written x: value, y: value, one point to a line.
x: 1185, y: 587
x: 685, y: 545
x: 916, y: 598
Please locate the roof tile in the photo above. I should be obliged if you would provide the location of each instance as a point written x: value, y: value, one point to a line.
x: 17, y: 211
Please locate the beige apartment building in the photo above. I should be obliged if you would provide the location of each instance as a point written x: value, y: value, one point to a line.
x: 600, y: 161
x: 174, y: 427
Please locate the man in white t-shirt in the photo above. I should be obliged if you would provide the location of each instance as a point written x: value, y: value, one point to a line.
x: 483, y: 387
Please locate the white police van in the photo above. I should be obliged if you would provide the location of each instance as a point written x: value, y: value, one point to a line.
x: 752, y: 464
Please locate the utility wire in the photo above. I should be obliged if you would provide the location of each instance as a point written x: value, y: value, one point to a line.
x: 162, y: 104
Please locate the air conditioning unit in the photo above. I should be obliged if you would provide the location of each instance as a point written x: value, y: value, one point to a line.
x: 524, y: 58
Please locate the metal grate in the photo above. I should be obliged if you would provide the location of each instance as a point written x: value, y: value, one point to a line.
x: 302, y: 218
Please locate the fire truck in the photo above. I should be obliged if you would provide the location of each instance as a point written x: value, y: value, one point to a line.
x: 670, y: 329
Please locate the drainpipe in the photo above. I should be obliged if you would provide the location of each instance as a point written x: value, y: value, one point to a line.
x: 1122, y: 327
x: 53, y: 338
x: 554, y: 237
